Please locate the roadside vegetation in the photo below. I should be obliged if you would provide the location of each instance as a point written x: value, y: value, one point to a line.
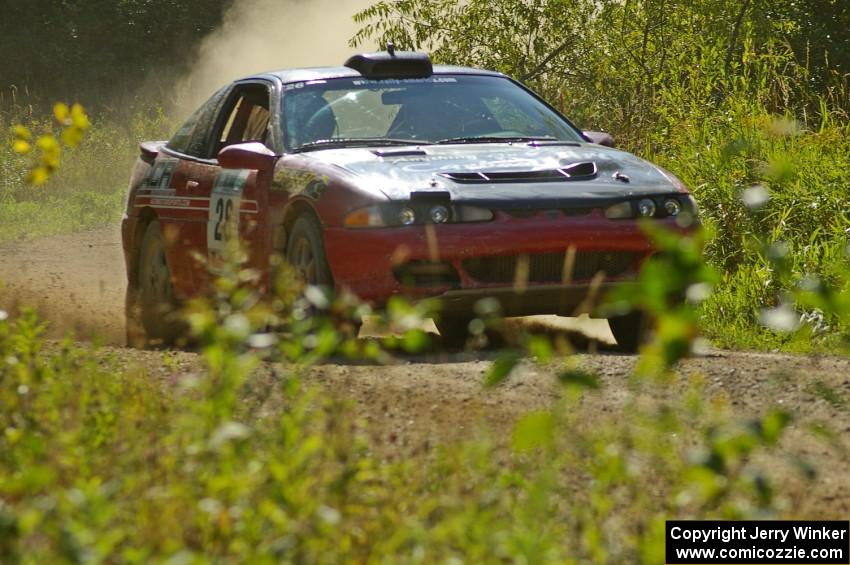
x: 98, y: 465
x: 119, y: 60
x: 92, y: 187
x: 106, y: 465
x: 726, y: 94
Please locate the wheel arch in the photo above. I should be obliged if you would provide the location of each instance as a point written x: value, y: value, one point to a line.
x: 296, y: 209
x: 145, y: 217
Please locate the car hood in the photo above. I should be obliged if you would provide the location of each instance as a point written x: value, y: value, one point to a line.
x: 395, y: 172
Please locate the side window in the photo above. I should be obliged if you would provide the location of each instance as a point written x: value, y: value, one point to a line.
x: 245, y: 117
x: 193, y: 135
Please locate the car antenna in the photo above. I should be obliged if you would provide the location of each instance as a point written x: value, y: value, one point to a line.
x: 391, y: 48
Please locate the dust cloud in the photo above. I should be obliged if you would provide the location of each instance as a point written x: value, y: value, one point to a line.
x: 262, y: 35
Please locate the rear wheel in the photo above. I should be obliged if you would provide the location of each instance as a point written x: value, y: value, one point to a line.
x: 630, y: 330
x: 152, y: 308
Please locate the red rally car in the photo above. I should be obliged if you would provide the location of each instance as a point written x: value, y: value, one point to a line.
x: 387, y: 176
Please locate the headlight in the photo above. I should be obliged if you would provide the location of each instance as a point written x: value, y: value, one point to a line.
x: 672, y: 207
x: 646, y: 207
x: 439, y: 214
x: 682, y: 207
x: 406, y: 216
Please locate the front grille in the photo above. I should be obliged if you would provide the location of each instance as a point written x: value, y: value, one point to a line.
x: 551, y: 213
x: 549, y: 267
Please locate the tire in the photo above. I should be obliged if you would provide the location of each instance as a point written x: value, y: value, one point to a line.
x: 305, y: 252
x: 152, y: 308
x: 135, y: 333
x: 631, y: 331
x: 454, y: 332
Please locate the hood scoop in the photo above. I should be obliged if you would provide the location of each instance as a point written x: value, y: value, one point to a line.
x: 574, y: 172
x: 413, y: 152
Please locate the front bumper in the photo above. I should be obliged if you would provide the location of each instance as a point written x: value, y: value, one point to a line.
x: 363, y: 261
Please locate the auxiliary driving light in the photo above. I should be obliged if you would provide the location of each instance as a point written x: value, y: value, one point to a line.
x: 646, y: 207
x: 439, y: 214
x: 672, y: 207
x: 619, y: 210
x: 406, y: 216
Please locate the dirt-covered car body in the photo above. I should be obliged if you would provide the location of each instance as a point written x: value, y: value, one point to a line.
x: 418, y: 180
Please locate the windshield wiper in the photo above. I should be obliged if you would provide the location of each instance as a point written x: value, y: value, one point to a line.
x: 356, y: 142
x: 496, y: 139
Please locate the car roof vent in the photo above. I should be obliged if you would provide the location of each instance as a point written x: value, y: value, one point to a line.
x: 576, y: 171
x: 391, y: 64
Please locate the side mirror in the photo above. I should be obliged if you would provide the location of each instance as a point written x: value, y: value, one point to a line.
x: 251, y: 155
x: 599, y: 137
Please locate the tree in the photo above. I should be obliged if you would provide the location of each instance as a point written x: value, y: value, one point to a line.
x: 635, y: 67
x: 97, y: 48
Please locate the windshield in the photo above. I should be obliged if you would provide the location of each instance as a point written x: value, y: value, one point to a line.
x: 442, y: 108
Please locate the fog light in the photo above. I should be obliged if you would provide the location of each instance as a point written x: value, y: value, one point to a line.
x: 646, y: 207
x: 619, y: 211
x: 672, y: 207
x: 439, y: 214
x: 406, y: 216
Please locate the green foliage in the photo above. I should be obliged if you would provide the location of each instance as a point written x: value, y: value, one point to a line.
x: 89, y: 190
x: 47, y: 149
x: 246, y: 462
x: 728, y: 94
x: 98, y: 465
x: 780, y: 220
x: 637, y: 69
x: 670, y: 283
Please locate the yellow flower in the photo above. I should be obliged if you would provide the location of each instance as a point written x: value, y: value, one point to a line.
x: 38, y: 176
x: 72, y: 136
x: 21, y: 147
x: 61, y: 111
x: 22, y: 133
x: 79, y: 119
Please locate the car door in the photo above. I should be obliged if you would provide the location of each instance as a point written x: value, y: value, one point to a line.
x: 175, y: 195
x: 235, y: 199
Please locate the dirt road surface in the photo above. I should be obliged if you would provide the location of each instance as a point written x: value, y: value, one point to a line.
x: 77, y: 283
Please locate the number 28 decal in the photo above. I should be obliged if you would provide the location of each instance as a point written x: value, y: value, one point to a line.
x: 225, y: 200
x: 224, y: 214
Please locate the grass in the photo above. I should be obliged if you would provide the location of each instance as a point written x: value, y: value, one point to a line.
x: 89, y: 191
x: 829, y: 394
x: 800, y: 232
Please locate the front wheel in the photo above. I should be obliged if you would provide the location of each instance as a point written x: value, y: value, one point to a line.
x: 454, y: 332
x: 306, y: 254
x: 630, y: 330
